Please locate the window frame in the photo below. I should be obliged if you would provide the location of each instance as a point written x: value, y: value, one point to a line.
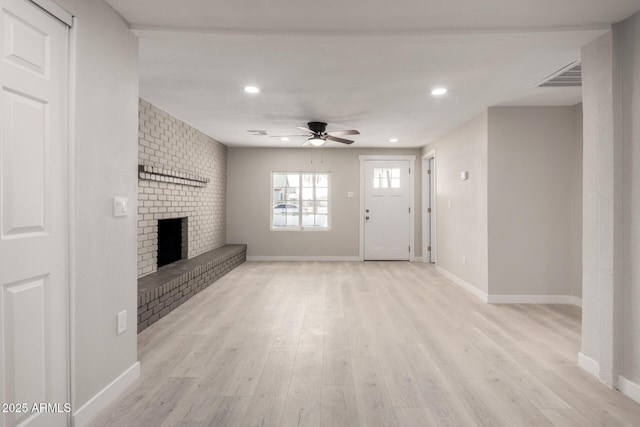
x: 300, y: 226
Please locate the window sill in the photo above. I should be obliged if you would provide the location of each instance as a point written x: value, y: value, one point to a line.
x: 314, y: 229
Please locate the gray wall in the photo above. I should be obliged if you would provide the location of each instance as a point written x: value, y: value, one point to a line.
x: 628, y: 35
x: 104, y: 266
x: 611, y: 205
x: 517, y: 217
x: 576, y: 203
x: 462, y: 228
x: 599, y: 311
x: 531, y: 194
x: 249, y: 197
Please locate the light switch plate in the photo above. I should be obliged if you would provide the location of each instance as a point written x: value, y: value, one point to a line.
x: 120, y: 206
x: 122, y: 322
x: 350, y: 195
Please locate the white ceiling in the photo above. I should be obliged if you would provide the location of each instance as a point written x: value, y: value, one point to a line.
x: 363, y: 64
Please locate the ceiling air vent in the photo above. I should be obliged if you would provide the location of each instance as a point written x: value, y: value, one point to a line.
x: 569, y: 76
x: 257, y: 132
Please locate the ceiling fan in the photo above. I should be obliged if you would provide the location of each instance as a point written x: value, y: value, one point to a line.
x: 318, y: 135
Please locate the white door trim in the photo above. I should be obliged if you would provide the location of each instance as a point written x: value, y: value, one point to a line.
x: 426, y: 194
x: 54, y: 10
x: 425, y: 206
x: 71, y: 203
x: 412, y: 160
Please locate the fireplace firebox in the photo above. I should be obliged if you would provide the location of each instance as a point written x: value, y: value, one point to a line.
x: 171, y: 240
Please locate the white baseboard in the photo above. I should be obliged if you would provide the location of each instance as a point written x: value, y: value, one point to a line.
x: 577, y: 301
x: 466, y: 286
x: 534, y: 299
x: 302, y: 258
x: 100, y: 401
x: 589, y: 365
x: 312, y: 258
x: 629, y: 388
x: 510, y: 299
x: 625, y: 385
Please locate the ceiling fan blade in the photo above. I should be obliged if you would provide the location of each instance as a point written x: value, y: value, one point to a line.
x: 336, y: 139
x: 306, y: 143
x: 288, y: 136
x: 309, y: 131
x: 343, y: 132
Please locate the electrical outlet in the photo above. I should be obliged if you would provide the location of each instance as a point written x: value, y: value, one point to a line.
x: 122, y: 322
x: 464, y: 260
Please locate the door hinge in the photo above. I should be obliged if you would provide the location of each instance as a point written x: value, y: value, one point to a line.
x: 409, y: 209
x: 429, y: 172
x: 409, y: 248
x: 429, y: 248
x: 428, y: 210
x: 409, y: 171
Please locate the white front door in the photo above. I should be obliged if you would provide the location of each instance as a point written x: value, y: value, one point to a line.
x: 34, y: 353
x: 387, y: 212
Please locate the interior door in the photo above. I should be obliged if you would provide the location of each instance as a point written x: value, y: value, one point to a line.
x: 431, y: 249
x: 387, y: 210
x: 33, y: 217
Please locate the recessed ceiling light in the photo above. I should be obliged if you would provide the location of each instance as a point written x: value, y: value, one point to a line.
x: 393, y: 140
x: 251, y: 89
x: 439, y: 91
x: 284, y: 138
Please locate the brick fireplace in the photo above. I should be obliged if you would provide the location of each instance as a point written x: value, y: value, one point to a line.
x: 182, y: 184
x: 183, y: 175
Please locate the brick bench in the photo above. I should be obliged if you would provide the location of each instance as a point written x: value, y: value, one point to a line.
x: 161, y: 292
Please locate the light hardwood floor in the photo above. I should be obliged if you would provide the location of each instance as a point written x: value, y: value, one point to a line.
x: 361, y: 344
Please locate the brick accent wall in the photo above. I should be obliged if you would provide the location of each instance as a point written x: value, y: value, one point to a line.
x: 166, y: 142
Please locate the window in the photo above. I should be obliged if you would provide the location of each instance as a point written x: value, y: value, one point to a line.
x: 386, y: 177
x: 300, y: 201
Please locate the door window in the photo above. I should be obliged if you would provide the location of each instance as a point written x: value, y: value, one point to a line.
x: 386, y: 178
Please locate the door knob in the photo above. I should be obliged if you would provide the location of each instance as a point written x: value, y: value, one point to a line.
x: 366, y: 217
x: 367, y: 211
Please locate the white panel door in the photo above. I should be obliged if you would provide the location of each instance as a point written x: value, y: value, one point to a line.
x: 33, y: 216
x: 387, y: 216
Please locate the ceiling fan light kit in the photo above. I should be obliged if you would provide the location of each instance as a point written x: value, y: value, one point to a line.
x: 316, y: 141
x: 318, y: 134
